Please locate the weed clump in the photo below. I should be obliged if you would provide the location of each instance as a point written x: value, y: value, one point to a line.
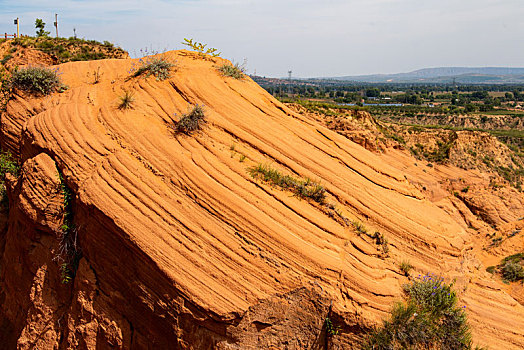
x: 157, y: 66
x: 359, y: 227
x: 406, y: 268
x: 126, y: 100
x: 36, y: 80
x: 234, y: 71
x: 302, y: 188
x: 428, y: 319
x: 69, y: 253
x: 192, y: 120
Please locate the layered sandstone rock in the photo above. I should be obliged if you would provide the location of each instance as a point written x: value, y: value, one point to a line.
x: 182, y: 249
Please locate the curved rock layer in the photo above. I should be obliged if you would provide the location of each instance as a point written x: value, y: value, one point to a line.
x: 183, y: 249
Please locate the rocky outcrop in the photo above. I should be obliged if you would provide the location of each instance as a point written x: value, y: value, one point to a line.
x: 180, y: 248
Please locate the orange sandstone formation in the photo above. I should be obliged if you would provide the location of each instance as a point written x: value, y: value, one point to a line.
x: 182, y: 249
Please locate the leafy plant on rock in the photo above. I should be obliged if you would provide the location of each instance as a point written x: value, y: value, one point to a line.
x: 200, y: 48
x: 428, y: 319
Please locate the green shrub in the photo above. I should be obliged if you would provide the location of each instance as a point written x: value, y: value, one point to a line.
x: 512, y: 271
x: 36, y: 80
x: 8, y: 165
x: 192, y: 120
x: 157, y: 66
x: 428, y: 319
x: 233, y: 71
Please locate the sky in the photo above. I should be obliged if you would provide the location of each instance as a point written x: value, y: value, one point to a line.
x: 313, y: 38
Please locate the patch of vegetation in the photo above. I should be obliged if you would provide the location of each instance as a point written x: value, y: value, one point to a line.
x: 96, y: 75
x: 66, y: 50
x: 330, y: 328
x: 192, y: 120
x: 391, y: 134
x: 200, y: 48
x: 302, y: 188
x: 428, y: 319
x: 160, y: 67
x: 382, y: 241
x: 512, y: 271
x: 6, y: 58
x: 510, y: 268
x: 36, y: 80
x: 359, y: 228
x: 234, y: 71
x: 7, y: 166
x: 491, y: 269
x: 126, y: 100
x: 69, y: 253
x: 441, y: 153
x: 406, y: 267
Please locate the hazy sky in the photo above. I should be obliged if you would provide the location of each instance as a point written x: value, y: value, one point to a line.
x: 311, y: 37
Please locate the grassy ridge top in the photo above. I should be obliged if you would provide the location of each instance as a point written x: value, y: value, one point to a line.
x: 63, y: 50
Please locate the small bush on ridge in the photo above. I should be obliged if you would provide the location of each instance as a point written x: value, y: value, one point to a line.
x: 157, y: 66
x: 36, y: 80
x: 192, y: 120
x: 234, y: 71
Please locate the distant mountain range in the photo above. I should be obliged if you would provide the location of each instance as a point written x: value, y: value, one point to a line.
x: 463, y: 75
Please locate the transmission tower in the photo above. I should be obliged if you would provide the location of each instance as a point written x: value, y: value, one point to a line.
x: 289, y: 72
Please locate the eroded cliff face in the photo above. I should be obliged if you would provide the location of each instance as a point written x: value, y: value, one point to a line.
x: 180, y: 248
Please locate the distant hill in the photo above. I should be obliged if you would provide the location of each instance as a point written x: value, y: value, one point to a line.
x: 465, y: 75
